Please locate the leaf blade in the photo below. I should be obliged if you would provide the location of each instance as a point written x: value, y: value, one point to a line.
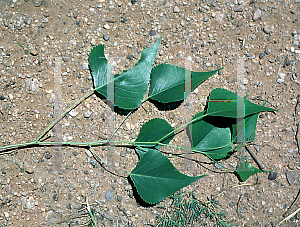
x: 131, y: 85
x: 246, y: 170
x: 207, y: 137
x: 155, y: 178
x: 153, y: 131
x: 223, y: 103
x: 167, y: 82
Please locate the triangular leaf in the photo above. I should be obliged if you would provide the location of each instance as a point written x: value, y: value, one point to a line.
x: 154, y: 131
x: 224, y: 103
x: 207, y: 137
x: 248, y: 130
x: 155, y: 178
x: 246, y: 170
x: 131, y: 85
x: 167, y: 82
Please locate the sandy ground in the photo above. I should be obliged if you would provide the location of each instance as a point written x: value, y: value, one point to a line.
x: 40, y: 39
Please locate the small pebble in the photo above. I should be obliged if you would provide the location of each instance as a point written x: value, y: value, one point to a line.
x: 106, y: 37
x: 261, y: 55
x: 238, y: 8
x: 48, y: 156
x: 29, y: 170
x: 267, y: 51
x: 176, y: 9
x: 106, y: 26
x: 240, y: 23
x: 85, y: 66
x: 109, y: 195
x: 268, y: 29
x: 152, y: 33
x: 73, y: 113
x: 272, y: 176
x: 133, y: 1
x: 257, y: 14
x: 88, y: 153
x: 119, y: 198
x: 34, y: 52
x: 93, y: 42
x: 55, y: 197
x: 86, y: 172
x: 87, y: 114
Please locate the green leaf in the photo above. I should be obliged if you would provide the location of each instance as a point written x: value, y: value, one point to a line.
x: 155, y: 178
x: 98, y: 65
x: 246, y: 170
x: 224, y: 103
x: 248, y: 130
x: 207, y: 137
x: 154, y: 131
x: 167, y: 82
x: 131, y: 85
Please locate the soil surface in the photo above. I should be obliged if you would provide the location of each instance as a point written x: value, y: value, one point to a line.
x: 44, y: 48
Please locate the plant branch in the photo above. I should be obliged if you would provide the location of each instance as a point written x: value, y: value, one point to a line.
x: 65, y: 113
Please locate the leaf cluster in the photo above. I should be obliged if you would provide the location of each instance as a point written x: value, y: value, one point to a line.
x: 226, y: 119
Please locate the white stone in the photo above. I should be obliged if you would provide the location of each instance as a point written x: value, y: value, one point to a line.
x: 176, y: 9
x: 73, y: 113
x: 106, y: 26
x: 85, y: 65
x: 93, y: 42
x: 292, y: 49
x: 11, y: 97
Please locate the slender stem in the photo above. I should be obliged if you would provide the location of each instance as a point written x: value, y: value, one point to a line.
x: 65, y: 113
x: 96, y: 155
x: 119, y: 126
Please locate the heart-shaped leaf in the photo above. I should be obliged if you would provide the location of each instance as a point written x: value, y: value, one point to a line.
x: 131, y: 85
x: 155, y: 178
x: 154, y: 131
x: 246, y: 170
x: 167, y: 82
x: 224, y: 103
x: 207, y: 137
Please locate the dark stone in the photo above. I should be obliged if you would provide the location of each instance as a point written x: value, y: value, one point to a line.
x: 272, y: 176
x: 27, y: 119
x: 69, y: 206
x: 152, y: 33
x: 48, y: 156
x: 124, y: 19
x: 86, y: 172
x: 130, y: 57
x: 261, y: 55
x: 133, y: 1
x: 131, y: 194
x: 55, y: 197
x: 2, y: 97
